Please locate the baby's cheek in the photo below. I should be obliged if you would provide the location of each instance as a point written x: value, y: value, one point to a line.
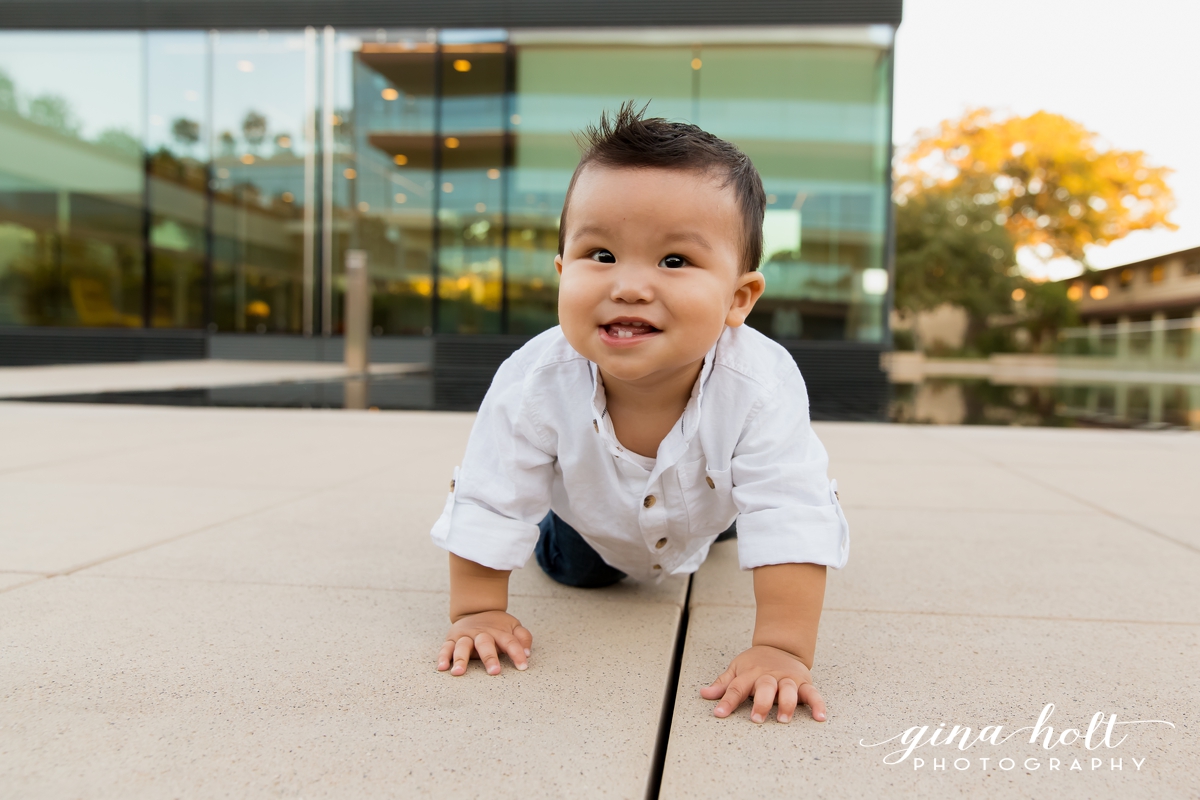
x: 575, y: 310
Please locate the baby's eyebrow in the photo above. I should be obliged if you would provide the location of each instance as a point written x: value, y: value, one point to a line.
x: 586, y: 230
x: 690, y: 236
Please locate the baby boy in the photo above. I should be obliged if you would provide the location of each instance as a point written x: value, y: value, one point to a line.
x: 652, y: 422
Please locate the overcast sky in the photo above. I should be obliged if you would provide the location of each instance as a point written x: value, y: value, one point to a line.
x: 1127, y: 70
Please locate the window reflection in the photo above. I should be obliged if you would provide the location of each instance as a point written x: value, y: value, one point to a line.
x: 385, y: 86
x: 174, y: 179
x: 71, y: 179
x: 470, y: 215
x: 814, y: 126
x: 258, y: 121
x: 177, y: 143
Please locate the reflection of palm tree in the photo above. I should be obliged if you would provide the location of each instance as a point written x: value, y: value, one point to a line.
x: 254, y: 128
x: 52, y: 111
x: 227, y: 143
x: 186, y: 132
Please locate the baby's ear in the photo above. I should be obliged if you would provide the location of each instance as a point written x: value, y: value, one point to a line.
x: 558, y: 263
x: 750, y: 286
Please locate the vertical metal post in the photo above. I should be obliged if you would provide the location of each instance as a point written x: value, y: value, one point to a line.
x: 357, y: 311
x: 310, y: 176
x: 327, y: 148
x: 507, y: 161
x: 147, y: 219
x: 209, y: 193
x: 435, y: 233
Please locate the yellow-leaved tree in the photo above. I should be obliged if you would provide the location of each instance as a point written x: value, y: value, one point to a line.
x: 1058, y: 186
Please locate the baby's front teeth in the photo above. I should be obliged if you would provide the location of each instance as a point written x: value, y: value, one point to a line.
x: 622, y: 334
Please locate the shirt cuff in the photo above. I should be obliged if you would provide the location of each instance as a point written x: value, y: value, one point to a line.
x: 794, y: 535
x: 483, y: 536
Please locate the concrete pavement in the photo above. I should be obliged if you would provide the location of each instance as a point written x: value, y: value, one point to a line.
x: 200, y: 602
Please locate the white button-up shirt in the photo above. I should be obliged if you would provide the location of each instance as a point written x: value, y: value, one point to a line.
x: 743, y: 449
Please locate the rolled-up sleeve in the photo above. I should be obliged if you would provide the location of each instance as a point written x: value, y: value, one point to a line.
x: 502, y: 490
x: 788, y: 510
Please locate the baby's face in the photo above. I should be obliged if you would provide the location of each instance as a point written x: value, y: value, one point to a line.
x: 650, y: 269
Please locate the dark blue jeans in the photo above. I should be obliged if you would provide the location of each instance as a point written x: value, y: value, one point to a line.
x: 564, y: 555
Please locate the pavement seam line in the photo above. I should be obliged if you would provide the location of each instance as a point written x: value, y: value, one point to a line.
x: 23, y: 583
x: 658, y: 760
x: 1070, y: 495
x: 1028, y: 617
x: 335, y: 587
x: 270, y: 506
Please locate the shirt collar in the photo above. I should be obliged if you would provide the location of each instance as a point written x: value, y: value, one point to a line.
x: 675, y: 443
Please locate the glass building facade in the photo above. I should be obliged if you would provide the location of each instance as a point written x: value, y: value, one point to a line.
x: 215, y: 179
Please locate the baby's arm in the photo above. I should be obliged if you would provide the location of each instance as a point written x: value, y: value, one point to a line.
x: 480, y: 621
x: 789, y: 598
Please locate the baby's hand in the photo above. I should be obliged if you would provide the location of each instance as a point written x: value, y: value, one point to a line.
x: 765, y: 671
x: 481, y: 633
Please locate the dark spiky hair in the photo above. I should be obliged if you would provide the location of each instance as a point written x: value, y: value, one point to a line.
x: 629, y: 140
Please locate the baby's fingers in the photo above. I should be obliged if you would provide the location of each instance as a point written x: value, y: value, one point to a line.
x: 485, y: 645
x: 462, y: 655
x: 516, y: 651
x: 444, y: 656
x: 788, y: 696
x: 737, y: 691
x: 717, y: 687
x: 524, y: 637
x: 764, y: 698
x: 812, y: 698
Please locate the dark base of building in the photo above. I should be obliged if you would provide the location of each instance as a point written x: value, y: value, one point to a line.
x: 844, y: 379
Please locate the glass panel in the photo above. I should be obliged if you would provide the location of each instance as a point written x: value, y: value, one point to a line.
x: 177, y: 140
x: 383, y: 175
x: 470, y: 219
x: 71, y: 178
x: 814, y: 121
x: 560, y: 90
x: 259, y: 115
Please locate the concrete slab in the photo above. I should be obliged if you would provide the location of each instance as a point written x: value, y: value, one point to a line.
x: 367, y: 534
x: 979, y: 486
x: 166, y: 375
x: 315, y: 450
x: 882, y: 674
x: 883, y: 443
x: 1085, y: 566
x: 272, y: 631
x: 56, y: 527
x: 974, y: 602
x: 1161, y: 488
x: 129, y: 688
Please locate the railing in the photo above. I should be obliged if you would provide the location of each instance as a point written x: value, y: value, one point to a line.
x: 1165, y: 343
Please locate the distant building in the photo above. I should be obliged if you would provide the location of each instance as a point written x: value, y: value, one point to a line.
x: 1147, y: 311
x: 191, y: 172
x: 1166, y: 287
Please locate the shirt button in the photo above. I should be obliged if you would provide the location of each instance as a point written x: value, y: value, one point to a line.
x: 658, y: 566
x: 649, y: 501
x: 660, y: 544
x: 709, y: 480
x: 596, y: 425
x: 452, y: 485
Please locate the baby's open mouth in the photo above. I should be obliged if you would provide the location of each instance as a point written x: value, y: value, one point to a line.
x: 629, y: 330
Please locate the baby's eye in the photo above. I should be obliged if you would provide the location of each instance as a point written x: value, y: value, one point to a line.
x: 604, y: 257
x: 673, y: 262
